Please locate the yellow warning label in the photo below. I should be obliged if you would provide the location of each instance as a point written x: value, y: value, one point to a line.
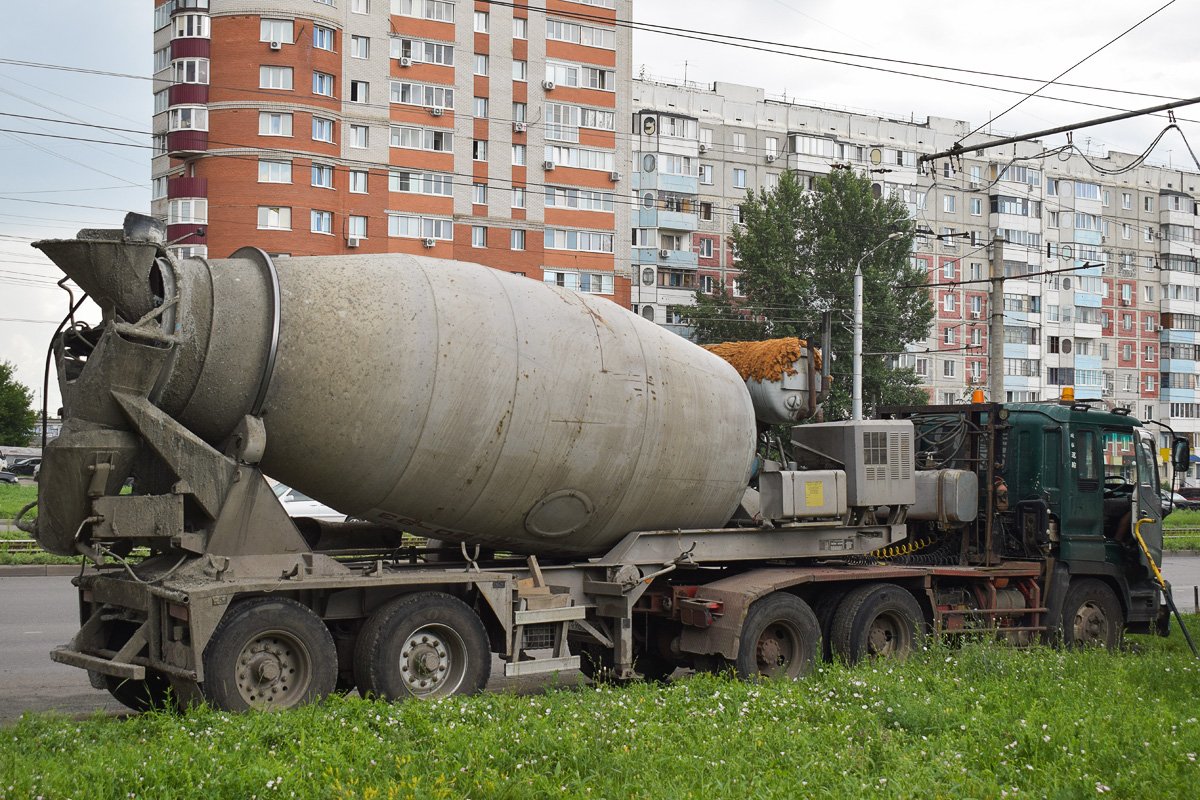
x: 814, y: 494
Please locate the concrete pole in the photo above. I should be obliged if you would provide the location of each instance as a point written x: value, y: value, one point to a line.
x: 856, y: 390
x: 996, y: 324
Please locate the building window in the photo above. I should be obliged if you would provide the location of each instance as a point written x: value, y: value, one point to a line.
x: 481, y: 64
x: 706, y: 174
x: 1148, y: 203
x: 416, y: 94
x: 276, y: 218
x: 356, y: 227
x: 360, y: 6
x: 359, y: 136
x: 191, y: 26
x: 188, y: 118
x: 275, y: 78
x: 479, y: 194
x: 430, y: 183
x: 482, y: 22
x: 191, y: 210
x: 190, y: 70
x: 948, y: 335
x: 323, y: 84
x: 948, y: 368
x: 272, y: 124
x: 518, y: 239
x: 518, y: 155
x: 360, y: 92
x: 518, y: 197
x: 560, y: 31
x: 739, y: 142
x: 518, y: 112
x: 478, y: 236
x: 158, y: 188
x: 949, y: 302
x: 360, y: 47
x: 1148, y: 354
x: 520, y: 70
x: 1126, y: 200
x: 479, y: 149
x: 739, y: 178
x: 358, y: 181
x: 976, y: 207
x: 322, y: 38
x: 162, y: 60
x: 706, y: 248
x: 480, y: 108
x: 322, y: 176
x: 438, y: 141
x: 275, y: 30
x: 948, y: 204
x: 520, y: 28
x: 322, y: 130
x: 322, y: 221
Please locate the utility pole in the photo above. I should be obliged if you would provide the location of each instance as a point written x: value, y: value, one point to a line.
x: 996, y: 324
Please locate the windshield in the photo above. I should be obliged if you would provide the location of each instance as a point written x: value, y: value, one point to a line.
x: 1118, y: 455
x: 1147, y: 466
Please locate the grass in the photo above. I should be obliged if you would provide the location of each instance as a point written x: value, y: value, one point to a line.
x: 14, y: 498
x: 981, y: 721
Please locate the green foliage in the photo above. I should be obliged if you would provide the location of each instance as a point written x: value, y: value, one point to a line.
x: 14, y: 498
x: 17, y: 417
x: 797, y: 254
x: 981, y: 720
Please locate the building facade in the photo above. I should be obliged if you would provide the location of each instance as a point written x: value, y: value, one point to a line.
x: 476, y: 131
x: 1099, y: 255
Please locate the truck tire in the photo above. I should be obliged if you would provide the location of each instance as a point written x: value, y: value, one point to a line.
x: 825, y: 608
x: 877, y: 620
x: 1091, y: 615
x: 422, y: 645
x: 780, y: 638
x: 268, y: 654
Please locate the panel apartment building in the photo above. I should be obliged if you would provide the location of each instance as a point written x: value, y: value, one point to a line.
x: 1122, y: 329
x: 483, y: 132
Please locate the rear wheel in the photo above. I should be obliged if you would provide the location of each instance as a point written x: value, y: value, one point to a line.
x: 422, y: 645
x: 269, y: 654
x: 1091, y: 615
x: 780, y: 639
x: 151, y: 694
x: 878, y: 620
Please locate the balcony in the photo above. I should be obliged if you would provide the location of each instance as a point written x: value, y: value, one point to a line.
x: 187, y: 94
x: 190, y: 47
x: 187, y: 187
x: 180, y: 144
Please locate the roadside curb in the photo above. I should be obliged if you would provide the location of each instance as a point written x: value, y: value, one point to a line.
x: 37, y: 570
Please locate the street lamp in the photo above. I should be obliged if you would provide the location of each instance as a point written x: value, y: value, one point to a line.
x: 856, y: 390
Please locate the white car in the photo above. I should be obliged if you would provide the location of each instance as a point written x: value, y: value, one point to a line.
x: 298, y: 504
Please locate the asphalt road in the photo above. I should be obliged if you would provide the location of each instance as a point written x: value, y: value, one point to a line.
x: 41, y: 613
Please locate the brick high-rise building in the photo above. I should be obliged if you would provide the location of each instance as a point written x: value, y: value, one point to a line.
x: 469, y: 130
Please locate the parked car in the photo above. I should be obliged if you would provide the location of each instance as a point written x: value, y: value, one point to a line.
x: 1190, y: 492
x: 298, y: 504
x: 25, y: 466
x: 1174, y: 501
x: 7, y: 477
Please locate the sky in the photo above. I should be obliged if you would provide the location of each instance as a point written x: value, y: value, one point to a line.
x: 51, y: 187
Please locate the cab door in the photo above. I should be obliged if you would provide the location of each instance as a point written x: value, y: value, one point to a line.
x: 1146, y: 497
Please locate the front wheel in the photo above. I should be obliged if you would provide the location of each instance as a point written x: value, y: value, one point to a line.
x: 780, y: 639
x: 422, y: 645
x: 1091, y: 615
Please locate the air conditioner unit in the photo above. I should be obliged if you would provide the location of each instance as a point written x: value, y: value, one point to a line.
x: 352, y: 241
x: 547, y: 165
x: 975, y: 315
x: 664, y: 253
x: 520, y: 127
x: 437, y: 111
x: 548, y: 85
x: 770, y: 157
x: 615, y: 176
x: 429, y: 242
x: 1124, y: 301
x: 703, y: 148
x: 276, y: 45
x: 1157, y: 328
x: 404, y: 61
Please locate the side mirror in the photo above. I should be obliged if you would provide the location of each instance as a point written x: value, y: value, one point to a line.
x: 1181, y: 454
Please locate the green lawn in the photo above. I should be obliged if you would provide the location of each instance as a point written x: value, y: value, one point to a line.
x: 980, y: 721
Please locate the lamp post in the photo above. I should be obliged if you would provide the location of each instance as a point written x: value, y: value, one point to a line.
x: 856, y: 391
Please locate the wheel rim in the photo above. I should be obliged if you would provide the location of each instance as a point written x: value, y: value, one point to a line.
x: 886, y: 637
x: 274, y: 671
x: 433, y: 661
x: 777, y: 652
x: 1091, y: 624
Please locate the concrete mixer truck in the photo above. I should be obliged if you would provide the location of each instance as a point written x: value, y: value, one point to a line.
x: 597, y: 492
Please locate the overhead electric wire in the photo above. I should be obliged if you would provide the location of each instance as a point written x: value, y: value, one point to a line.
x: 1068, y: 69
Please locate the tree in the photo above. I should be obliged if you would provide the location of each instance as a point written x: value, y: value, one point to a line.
x: 17, y: 417
x: 797, y: 251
